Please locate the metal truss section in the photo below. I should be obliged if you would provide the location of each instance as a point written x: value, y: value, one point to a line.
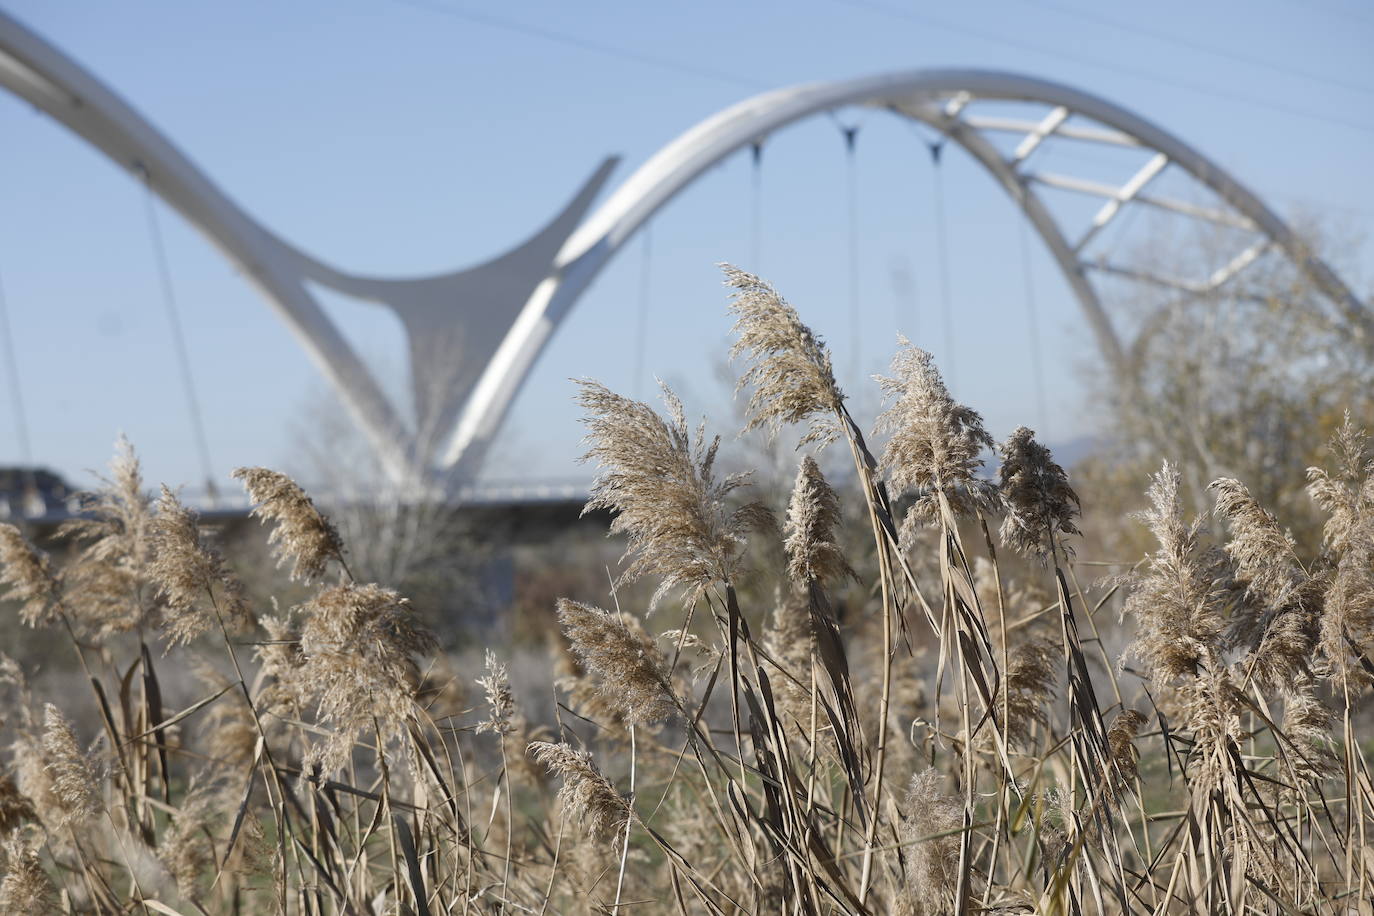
x: 948, y: 101
x: 476, y: 334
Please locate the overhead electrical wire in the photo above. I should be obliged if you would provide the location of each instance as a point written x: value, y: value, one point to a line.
x: 1137, y: 29
x: 21, y: 417
x: 642, y: 306
x: 169, y: 301
x: 1033, y: 332
x: 850, y: 134
x: 756, y: 209
x: 949, y: 358
x: 1064, y: 54
x: 583, y: 44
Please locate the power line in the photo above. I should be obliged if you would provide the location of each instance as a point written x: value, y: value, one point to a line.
x: 1033, y: 329
x: 855, y: 311
x: 756, y: 209
x: 1307, y: 6
x: 642, y: 306
x: 942, y: 256
x: 21, y: 417
x: 1062, y: 54
x: 1098, y: 18
x: 169, y: 301
x: 582, y: 44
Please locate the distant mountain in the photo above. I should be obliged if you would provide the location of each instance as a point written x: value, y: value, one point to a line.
x: 1071, y: 451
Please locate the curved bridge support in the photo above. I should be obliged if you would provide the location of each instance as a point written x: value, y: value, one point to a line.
x: 453, y: 321
x: 476, y: 334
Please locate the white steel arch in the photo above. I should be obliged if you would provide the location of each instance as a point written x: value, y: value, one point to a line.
x: 476, y: 334
x: 453, y: 321
x: 942, y: 99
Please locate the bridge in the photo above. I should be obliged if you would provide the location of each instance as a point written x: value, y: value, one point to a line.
x: 475, y: 334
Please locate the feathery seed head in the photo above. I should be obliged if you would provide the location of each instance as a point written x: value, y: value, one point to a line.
x: 789, y: 367
x: 504, y: 718
x: 283, y: 663
x: 1262, y: 551
x: 1121, y: 743
x: 1347, y: 619
x: 26, y: 887
x: 616, y: 649
x: 1282, y: 627
x: 1178, y: 599
x: 935, y: 441
x: 1028, y: 685
x: 229, y: 726
x: 357, y: 645
x: 303, y: 534
x: 586, y: 794
x: 1040, y: 504
x: 192, y: 577
x: 1307, y: 726
x: 813, y: 514
x: 106, y: 586
x: 28, y: 573
x: 1347, y: 493
x: 73, y: 775
x: 931, y: 827
x: 657, y: 477
x: 185, y: 850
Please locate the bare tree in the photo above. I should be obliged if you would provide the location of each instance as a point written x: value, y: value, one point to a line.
x: 1247, y: 380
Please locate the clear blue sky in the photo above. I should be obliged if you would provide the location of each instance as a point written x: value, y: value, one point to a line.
x: 412, y: 136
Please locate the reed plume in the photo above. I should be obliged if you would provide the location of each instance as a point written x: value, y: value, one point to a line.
x: 25, y: 887
x: 813, y: 514
x: 193, y: 578
x: 1347, y: 492
x: 1121, y: 747
x: 632, y: 673
x: 303, y: 535
x: 1307, y: 723
x: 1263, y: 552
x: 358, y: 644
x: 1346, y: 628
x: 503, y: 716
x: 28, y: 573
x: 586, y: 795
x: 1280, y: 620
x: 73, y: 773
x: 230, y: 729
x: 935, y: 444
x: 658, y: 479
x: 186, y: 850
x: 1040, y: 505
x: 1178, y: 599
x: 930, y: 837
x: 790, y: 370
x: 107, y: 585
x: 1025, y: 694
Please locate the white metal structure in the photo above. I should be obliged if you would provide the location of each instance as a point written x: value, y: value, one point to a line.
x: 475, y: 334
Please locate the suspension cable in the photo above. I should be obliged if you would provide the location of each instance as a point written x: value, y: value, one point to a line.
x: 21, y: 417
x: 942, y: 256
x: 179, y: 340
x: 756, y: 209
x: 1033, y: 328
x: 642, y: 316
x: 851, y: 133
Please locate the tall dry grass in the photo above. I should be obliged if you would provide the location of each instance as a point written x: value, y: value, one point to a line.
x: 947, y: 731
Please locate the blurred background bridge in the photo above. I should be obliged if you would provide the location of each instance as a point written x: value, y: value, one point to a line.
x: 1079, y: 169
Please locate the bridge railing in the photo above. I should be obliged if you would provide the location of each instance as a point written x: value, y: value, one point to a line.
x: 38, y: 507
